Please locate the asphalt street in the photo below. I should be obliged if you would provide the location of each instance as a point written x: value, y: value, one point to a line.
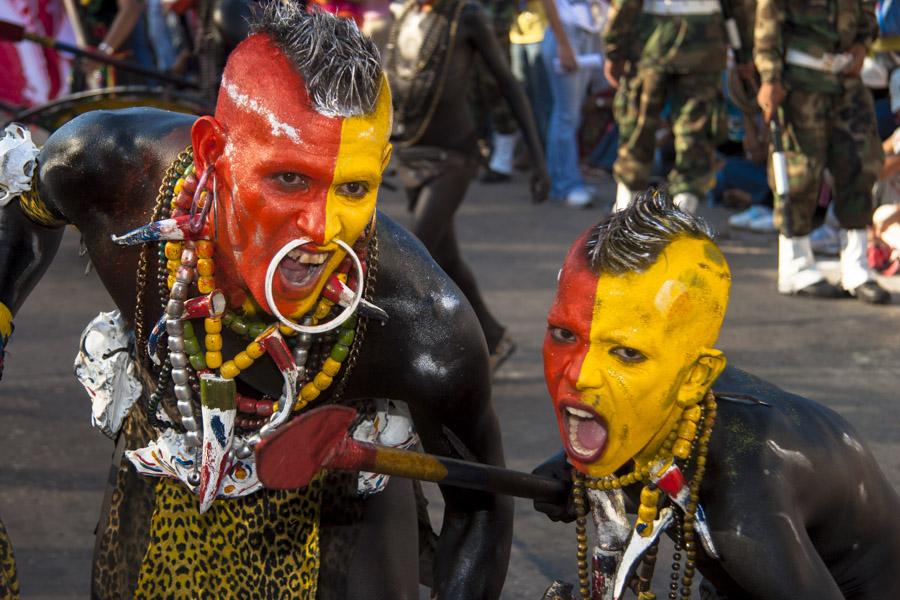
x: 841, y: 353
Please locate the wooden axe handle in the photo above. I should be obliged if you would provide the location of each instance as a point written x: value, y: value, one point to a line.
x: 355, y: 455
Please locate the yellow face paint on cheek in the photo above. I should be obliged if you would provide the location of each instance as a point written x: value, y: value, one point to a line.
x: 352, y: 194
x: 360, y: 162
x: 6, y: 320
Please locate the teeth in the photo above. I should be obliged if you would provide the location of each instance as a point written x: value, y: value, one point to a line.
x: 582, y: 414
x: 311, y: 258
x: 573, y: 439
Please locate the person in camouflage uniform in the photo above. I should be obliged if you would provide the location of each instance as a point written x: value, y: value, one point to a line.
x: 809, y: 56
x: 660, y: 52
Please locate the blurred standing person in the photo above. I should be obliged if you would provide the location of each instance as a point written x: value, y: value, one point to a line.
x: 376, y: 21
x: 117, y: 28
x: 573, y: 31
x: 660, y: 52
x: 525, y: 37
x: 809, y: 57
x: 429, y: 60
x: 491, y: 110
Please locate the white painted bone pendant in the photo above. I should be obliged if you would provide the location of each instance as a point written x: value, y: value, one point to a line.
x: 611, y: 522
x: 637, y: 546
x: 668, y: 477
x: 218, y: 410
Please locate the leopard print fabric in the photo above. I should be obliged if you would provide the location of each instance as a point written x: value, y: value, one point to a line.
x: 124, y: 528
x: 265, y: 545
x: 9, y: 582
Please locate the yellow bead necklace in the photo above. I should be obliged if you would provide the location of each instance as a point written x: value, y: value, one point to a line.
x: 679, y: 444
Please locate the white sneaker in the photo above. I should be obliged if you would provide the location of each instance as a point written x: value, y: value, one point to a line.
x: 743, y: 219
x: 624, y: 196
x: 765, y: 223
x: 579, y: 198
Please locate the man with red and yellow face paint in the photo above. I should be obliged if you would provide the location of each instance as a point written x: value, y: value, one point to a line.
x: 288, y: 169
x: 626, y: 353
x: 647, y: 407
x: 266, y: 220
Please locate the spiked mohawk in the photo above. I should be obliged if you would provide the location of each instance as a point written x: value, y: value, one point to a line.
x: 632, y: 239
x: 341, y: 66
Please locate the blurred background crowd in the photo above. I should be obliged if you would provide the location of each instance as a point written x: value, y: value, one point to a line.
x: 556, y: 49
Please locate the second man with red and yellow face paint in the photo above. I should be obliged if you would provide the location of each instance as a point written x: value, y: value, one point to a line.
x: 284, y: 172
x: 630, y: 337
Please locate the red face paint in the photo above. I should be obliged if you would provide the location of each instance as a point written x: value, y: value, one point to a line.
x: 273, y: 176
x: 572, y: 313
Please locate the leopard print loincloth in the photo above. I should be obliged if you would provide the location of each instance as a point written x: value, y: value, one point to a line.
x: 265, y: 545
x: 9, y: 582
x: 150, y: 536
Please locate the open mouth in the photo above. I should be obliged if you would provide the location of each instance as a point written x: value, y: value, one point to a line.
x: 301, y: 269
x: 585, y: 432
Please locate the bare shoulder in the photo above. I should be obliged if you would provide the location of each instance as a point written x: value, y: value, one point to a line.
x: 783, y: 445
x: 432, y: 342
x: 103, y: 158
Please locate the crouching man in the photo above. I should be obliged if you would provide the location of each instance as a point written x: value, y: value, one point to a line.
x: 769, y: 495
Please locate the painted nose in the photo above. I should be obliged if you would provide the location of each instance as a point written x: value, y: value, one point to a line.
x: 587, y: 376
x: 312, y: 220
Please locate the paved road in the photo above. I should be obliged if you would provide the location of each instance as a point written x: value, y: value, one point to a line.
x: 841, y: 353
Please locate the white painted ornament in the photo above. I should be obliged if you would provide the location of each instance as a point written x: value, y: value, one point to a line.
x: 218, y: 412
x: 18, y: 159
x: 391, y: 426
x: 169, y: 456
x: 105, y: 368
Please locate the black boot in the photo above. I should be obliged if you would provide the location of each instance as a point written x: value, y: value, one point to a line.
x: 820, y: 289
x: 871, y: 293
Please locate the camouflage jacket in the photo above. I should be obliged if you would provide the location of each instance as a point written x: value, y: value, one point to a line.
x: 814, y: 27
x: 744, y: 13
x: 678, y: 44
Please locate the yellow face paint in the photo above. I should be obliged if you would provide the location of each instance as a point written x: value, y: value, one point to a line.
x: 622, y: 366
x: 6, y: 320
x: 364, y: 153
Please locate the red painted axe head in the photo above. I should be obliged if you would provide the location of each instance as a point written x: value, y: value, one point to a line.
x: 291, y: 457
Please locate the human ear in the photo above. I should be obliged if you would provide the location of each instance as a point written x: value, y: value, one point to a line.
x: 705, y: 370
x: 386, y: 157
x: 208, y: 139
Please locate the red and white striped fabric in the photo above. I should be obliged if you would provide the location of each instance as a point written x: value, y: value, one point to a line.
x: 32, y: 74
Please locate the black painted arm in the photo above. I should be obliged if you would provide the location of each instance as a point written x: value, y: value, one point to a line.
x: 769, y: 555
x: 482, y: 37
x: 26, y: 250
x: 557, y: 467
x: 473, y: 548
x: 458, y: 420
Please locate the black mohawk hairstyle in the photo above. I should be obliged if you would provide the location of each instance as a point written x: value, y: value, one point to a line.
x: 340, y: 65
x: 632, y: 239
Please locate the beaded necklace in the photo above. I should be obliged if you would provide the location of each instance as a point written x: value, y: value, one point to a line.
x: 185, y: 265
x: 678, y: 445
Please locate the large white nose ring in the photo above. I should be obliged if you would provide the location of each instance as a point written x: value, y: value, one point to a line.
x: 336, y: 322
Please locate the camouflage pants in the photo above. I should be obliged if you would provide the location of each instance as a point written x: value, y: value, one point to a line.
x: 696, y: 103
x: 834, y: 131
